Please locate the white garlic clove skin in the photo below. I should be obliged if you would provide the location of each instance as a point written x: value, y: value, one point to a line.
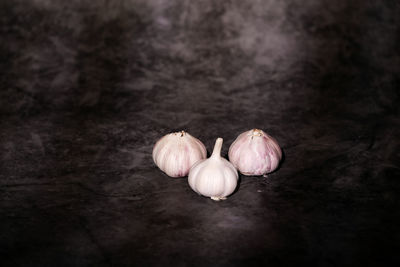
x: 214, y: 177
x: 255, y: 153
x: 176, y: 153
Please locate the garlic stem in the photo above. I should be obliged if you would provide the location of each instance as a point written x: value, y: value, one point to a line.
x: 217, y: 148
x: 257, y: 132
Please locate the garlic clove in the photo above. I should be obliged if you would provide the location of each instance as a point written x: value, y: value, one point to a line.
x: 214, y: 177
x: 255, y: 153
x: 176, y: 153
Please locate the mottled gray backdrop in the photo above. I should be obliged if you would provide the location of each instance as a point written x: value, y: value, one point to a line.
x: 87, y: 87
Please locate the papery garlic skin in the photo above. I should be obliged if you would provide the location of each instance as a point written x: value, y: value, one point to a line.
x: 176, y: 153
x: 214, y: 177
x: 255, y: 153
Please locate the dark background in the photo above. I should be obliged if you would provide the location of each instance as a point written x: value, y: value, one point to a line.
x: 87, y: 88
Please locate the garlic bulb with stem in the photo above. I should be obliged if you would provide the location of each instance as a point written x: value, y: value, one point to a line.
x: 214, y: 177
x: 175, y: 153
x: 255, y: 153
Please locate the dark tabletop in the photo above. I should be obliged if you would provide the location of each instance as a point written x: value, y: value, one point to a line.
x: 88, y: 87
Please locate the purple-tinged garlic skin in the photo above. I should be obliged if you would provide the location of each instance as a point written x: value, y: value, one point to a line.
x: 255, y: 153
x: 176, y: 153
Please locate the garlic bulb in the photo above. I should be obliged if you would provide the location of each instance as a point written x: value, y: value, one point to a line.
x: 255, y: 153
x: 175, y: 153
x: 214, y: 177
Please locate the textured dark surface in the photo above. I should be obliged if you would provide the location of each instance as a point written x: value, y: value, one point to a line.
x: 87, y: 87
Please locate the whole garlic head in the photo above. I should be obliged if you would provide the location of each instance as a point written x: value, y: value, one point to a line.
x: 255, y: 153
x: 214, y: 177
x: 175, y: 153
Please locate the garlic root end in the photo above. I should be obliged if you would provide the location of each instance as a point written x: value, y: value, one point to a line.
x: 218, y: 198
